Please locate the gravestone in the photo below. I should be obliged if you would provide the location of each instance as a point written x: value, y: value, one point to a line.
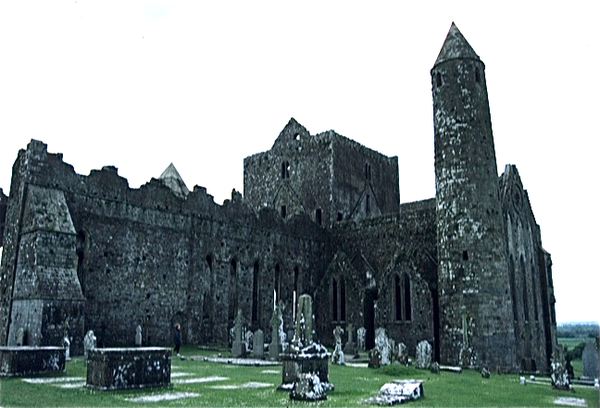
x: 435, y: 368
x: 374, y: 358
x: 590, y: 361
x: 485, y: 373
x: 138, y: 336
x: 239, y: 347
x: 258, y: 344
x: 276, y: 323
x: 402, y: 354
x: 67, y: 346
x: 350, y: 347
x: 382, y: 344
x: 89, y: 342
x: 20, y: 337
x: 249, y: 339
x: 423, y: 354
x: 338, y: 355
x: 360, y: 338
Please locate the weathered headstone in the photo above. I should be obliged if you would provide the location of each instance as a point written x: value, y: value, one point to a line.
x: 590, y: 361
x: 485, y: 373
x: 249, y: 339
x: 308, y: 387
x: 360, y: 338
x: 258, y: 344
x: 350, y: 347
x: 89, y: 342
x: 423, y: 354
x: 402, y: 354
x: 374, y: 358
x: 382, y: 344
x: 20, y: 337
x: 239, y: 347
x: 67, y: 346
x: 435, y: 368
x: 138, y: 336
x: 338, y: 355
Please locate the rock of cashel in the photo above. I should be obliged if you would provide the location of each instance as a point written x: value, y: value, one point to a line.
x: 320, y: 214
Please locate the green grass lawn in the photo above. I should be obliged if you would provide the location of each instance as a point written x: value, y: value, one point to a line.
x: 352, y: 386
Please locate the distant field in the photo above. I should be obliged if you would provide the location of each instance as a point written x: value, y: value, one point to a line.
x: 213, y: 384
x: 571, y: 343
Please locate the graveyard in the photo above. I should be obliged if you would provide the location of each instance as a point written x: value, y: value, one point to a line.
x: 195, y: 382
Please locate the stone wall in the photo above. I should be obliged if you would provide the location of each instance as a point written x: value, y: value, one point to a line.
x: 535, y: 323
x: 3, y: 207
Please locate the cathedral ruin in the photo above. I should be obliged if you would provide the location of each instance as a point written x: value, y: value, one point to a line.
x: 320, y: 214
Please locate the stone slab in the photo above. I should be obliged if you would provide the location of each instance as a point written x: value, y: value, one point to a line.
x: 129, y: 368
x: 30, y: 360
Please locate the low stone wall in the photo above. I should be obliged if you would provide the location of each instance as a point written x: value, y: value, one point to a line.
x: 30, y: 360
x: 127, y: 368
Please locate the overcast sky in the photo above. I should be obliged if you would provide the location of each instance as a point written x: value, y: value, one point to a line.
x: 141, y: 84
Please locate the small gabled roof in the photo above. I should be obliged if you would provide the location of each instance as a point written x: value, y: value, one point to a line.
x: 455, y: 46
x: 171, y: 178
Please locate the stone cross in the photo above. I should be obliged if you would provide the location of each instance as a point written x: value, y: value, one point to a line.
x: 138, y: 336
x: 590, y: 361
x: 238, y: 348
x: 276, y: 323
x: 350, y: 347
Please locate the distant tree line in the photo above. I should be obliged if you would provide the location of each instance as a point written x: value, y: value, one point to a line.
x: 578, y: 330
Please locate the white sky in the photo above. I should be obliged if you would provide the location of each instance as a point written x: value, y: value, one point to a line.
x: 140, y: 84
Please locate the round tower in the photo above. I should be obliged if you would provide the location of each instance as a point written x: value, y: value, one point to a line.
x: 476, y: 325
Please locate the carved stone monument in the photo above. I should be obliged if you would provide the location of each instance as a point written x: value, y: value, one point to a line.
x: 258, y: 344
x: 423, y: 355
x: 338, y: 355
x: 382, y: 344
x: 89, y: 342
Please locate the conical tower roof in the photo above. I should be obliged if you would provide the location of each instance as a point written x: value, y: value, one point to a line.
x: 173, y: 180
x: 455, y: 46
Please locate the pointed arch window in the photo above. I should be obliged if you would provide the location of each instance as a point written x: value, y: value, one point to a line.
x: 334, y: 300
x: 233, y: 290
x: 402, y: 297
x: 277, y: 286
x: 338, y: 299
x: 285, y: 170
x: 255, y: 293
